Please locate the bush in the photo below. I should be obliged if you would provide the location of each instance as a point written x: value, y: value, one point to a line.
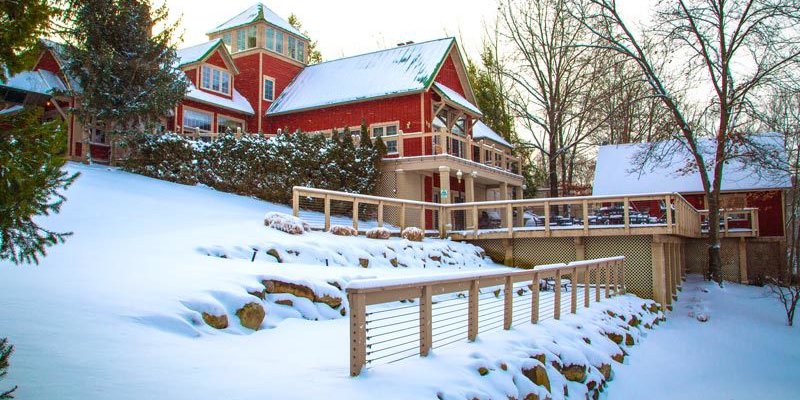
x: 379, y: 233
x: 285, y: 223
x: 5, y: 354
x: 253, y: 165
x: 413, y: 234
x: 343, y: 230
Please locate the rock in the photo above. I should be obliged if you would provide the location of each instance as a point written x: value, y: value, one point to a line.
x: 285, y: 223
x: 574, y: 372
x: 378, y: 233
x: 521, y: 292
x: 587, y: 340
x: 436, y: 258
x: 393, y: 261
x: 648, y: 326
x: 275, y: 254
x: 629, y: 340
x: 335, y: 284
x: 702, y: 317
x: 619, y: 357
x: 483, y: 371
x: 343, y: 230
x: 613, y: 314
x: 331, y: 301
x: 343, y: 312
x: 275, y: 286
x: 285, y: 302
x: 534, y: 396
x: 259, y: 293
x: 413, y: 234
x: 653, y: 308
x: 605, y: 369
x: 537, y: 375
x: 251, y: 315
x: 539, y: 357
x: 504, y: 366
x: 615, y: 337
x: 216, y: 321
x: 634, y: 322
x: 364, y: 262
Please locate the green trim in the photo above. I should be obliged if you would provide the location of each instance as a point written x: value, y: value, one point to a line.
x: 428, y: 82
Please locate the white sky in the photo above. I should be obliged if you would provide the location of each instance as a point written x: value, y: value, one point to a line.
x: 348, y: 27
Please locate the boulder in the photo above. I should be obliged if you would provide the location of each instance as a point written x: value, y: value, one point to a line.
x: 634, y: 322
x: 216, y: 321
x: 615, y: 337
x: 413, y: 234
x: 275, y: 254
x: 364, y: 262
x: 605, y: 369
x: 285, y: 302
x: 251, y: 315
x: 574, y: 372
x: 393, y: 261
x: 537, y: 375
x: 378, y: 233
x: 629, y: 340
x: 436, y: 258
x: 343, y: 230
x: 261, y: 294
x: 331, y: 301
x: 539, y: 357
x: 285, y: 223
x: 276, y: 286
x: 483, y: 371
x: 619, y: 357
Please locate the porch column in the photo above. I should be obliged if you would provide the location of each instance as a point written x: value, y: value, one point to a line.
x: 519, y: 220
x: 743, y: 261
x: 503, y: 196
x: 469, y: 193
x: 444, y: 196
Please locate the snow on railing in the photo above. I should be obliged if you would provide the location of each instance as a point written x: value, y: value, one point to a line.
x: 465, y: 305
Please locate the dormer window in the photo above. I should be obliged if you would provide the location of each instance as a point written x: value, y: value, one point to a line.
x: 215, y: 80
x: 296, y: 48
x: 246, y: 38
x: 226, y: 39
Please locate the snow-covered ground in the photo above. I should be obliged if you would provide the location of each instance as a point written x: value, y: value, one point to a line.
x: 116, y: 311
x: 744, y: 351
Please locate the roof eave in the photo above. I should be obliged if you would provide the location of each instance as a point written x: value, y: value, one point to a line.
x: 317, y: 107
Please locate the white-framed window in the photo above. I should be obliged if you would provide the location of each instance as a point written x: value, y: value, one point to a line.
x: 197, y: 120
x: 240, y: 39
x: 269, y: 88
x: 278, y: 42
x: 269, y: 43
x: 225, y: 124
x: 226, y: 39
x: 215, y: 80
x: 300, y: 51
x: 388, y: 133
x: 291, y: 45
x: 246, y: 38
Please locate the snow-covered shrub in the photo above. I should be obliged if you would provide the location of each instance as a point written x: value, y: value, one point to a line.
x: 285, y: 223
x: 343, y: 230
x: 167, y: 156
x: 238, y: 165
x: 379, y: 233
x: 413, y: 234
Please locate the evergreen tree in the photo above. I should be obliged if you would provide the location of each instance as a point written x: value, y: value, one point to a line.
x: 5, y: 353
x: 129, y: 75
x: 314, y: 56
x: 22, y: 23
x: 31, y: 157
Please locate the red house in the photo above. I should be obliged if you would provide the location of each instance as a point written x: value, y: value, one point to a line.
x: 252, y: 77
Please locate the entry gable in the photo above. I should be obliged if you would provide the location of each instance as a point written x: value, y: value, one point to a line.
x: 213, y: 52
x: 452, y: 72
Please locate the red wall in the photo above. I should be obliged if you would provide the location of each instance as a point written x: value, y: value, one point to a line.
x: 770, y: 212
x: 403, y: 108
x: 248, y: 83
x: 216, y: 60
x: 48, y: 63
x: 449, y: 77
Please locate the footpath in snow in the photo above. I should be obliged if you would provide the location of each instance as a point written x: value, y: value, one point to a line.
x: 744, y: 351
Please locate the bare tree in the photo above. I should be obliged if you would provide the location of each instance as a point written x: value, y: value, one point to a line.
x: 729, y: 49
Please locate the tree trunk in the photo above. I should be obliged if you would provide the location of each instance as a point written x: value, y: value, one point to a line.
x: 714, y: 243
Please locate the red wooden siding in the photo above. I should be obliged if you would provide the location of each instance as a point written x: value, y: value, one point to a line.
x: 770, y: 212
x: 216, y: 60
x: 448, y: 75
x: 404, y: 109
x: 48, y: 63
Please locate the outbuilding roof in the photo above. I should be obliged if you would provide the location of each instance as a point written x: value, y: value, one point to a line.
x: 617, y: 171
x: 258, y: 12
x: 482, y: 131
x: 399, y: 70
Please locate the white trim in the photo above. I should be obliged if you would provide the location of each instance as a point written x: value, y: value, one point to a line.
x: 264, y: 94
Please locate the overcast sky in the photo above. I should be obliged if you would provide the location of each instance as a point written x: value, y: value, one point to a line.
x: 348, y: 27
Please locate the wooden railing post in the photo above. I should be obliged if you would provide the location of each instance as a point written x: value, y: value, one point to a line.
x: 380, y: 213
x: 508, y: 305
x: 355, y: 214
x: 472, y: 321
x: 622, y: 275
x: 626, y: 215
x: 668, y: 210
x: 607, y: 268
x: 547, y: 218
x: 585, y: 217
x: 535, y: 298
x: 422, y: 224
x: 612, y: 273
x: 327, y: 213
x: 425, y: 321
x: 586, y: 298
x: 574, y: 290
x: 557, y: 297
x: 402, y: 216
x: 510, y: 219
x: 597, y: 270
x: 725, y: 220
x: 475, y: 220
x: 295, y: 202
x: 358, y: 332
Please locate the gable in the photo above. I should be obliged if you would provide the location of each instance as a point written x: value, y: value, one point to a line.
x: 449, y: 76
x: 216, y: 60
x: 213, y: 50
x: 47, y: 61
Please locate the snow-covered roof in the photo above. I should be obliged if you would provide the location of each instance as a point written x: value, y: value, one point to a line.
x: 482, y: 131
x: 455, y: 97
x: 617, y: 172
x: 11, y: 110
x: 59, y: 51
x: 399, y: 70
x: 258, y: 12
x: 238, y: 103
x: 39, y: 81
x: 196, y: 53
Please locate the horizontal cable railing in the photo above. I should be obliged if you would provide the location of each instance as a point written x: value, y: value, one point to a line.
x: 445, y: 309
x: 733, y: 221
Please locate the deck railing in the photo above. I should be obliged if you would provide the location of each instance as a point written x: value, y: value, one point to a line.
x: 662, y: 213
x: 436, y: 143
x: 458, y: 307
x: 734, y: 222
